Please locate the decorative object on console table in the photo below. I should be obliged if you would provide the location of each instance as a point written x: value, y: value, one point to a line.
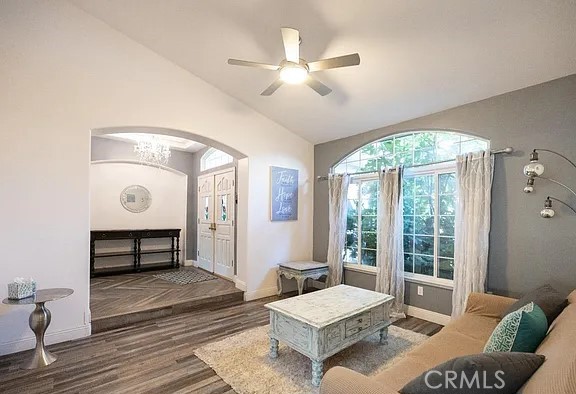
x: 21, y: 288
x: 321, y: 324
x: 136, y: 251
x: 534, y: 170
x: 39, y: 321
x: 300, y: 270
x: 283, y: 194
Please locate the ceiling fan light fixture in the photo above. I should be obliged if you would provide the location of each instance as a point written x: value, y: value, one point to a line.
x: 293, y: 74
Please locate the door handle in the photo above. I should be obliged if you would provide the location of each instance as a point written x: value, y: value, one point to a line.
x: 212, y: 226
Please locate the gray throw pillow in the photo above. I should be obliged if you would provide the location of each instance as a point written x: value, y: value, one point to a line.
x: 546, y: 297
x: 484, y: 373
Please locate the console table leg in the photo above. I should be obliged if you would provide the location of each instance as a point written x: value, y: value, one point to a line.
x: 279, y: 278
x: 300, y: 282
x: 39, y: 321
x: 384, y: 335
x: 273, y: 348
x: 317, y: 372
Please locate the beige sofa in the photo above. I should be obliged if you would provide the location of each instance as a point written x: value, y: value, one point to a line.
x: 468, y: 335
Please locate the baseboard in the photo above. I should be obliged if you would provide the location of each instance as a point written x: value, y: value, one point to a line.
x: 51, y: 338
x: 425, y: 314
x: 260, y: 293
x: 240, y: 285
x: 190, y: 263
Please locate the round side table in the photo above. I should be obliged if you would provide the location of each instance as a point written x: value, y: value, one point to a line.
x: 39, y: 321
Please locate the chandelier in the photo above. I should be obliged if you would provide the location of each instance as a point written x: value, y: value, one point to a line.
x: 152, y: 151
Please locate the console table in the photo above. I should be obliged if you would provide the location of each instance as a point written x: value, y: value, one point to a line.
x: 135, y: 250
x: 300, y: 270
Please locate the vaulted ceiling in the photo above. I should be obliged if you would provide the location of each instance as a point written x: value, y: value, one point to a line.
x: 417, y: 57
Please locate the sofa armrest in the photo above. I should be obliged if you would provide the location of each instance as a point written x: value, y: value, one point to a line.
x: 488, y: 305
x: 339, y: 380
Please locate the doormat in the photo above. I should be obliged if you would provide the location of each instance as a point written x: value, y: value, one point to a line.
x: 186, y: 276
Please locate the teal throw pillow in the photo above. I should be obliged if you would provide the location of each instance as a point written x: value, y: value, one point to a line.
x: 519, y: 331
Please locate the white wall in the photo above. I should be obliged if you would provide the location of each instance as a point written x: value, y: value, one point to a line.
x: 168, y: 190
x: 63, y: 73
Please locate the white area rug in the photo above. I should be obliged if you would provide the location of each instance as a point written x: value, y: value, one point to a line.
x: 242, y: 360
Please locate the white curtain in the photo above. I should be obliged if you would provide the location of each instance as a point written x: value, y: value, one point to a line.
x: 337, y: 210
x: 390, y: 255
x: 474, y: 182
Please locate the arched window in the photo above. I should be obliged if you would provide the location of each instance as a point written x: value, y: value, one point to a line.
x: 429, y: 200
x: 214, y: 158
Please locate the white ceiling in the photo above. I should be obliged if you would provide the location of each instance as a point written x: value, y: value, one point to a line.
x: 417, y: 57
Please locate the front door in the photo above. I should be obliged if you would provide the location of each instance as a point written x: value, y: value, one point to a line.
x: 216, y: 221
x: 205, y: 222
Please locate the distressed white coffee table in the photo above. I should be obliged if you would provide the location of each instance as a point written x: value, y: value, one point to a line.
x: 300, y: 270
x: 322, y: 323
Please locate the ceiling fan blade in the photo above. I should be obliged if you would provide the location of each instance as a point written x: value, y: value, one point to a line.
x: 236, y: 62
x: 335, y: 62
x: 318, y: 86
x: 291, y: 38
x: 272, y: 88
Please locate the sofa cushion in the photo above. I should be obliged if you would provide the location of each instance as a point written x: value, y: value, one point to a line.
x: 519, y: 331
x: 558, y: 373
x: 477, y: 373
x: 546, y: 297
x: 464, y: 335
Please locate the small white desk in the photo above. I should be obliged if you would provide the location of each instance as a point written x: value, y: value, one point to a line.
x: 300, y: 270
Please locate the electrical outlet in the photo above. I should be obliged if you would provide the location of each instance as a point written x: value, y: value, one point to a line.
x: 420, y: 290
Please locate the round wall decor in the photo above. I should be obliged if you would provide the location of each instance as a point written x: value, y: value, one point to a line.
x: 136, y: 198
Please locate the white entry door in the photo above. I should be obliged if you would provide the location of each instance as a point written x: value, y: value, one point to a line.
x: 216, y: 210
x: 205, y: 221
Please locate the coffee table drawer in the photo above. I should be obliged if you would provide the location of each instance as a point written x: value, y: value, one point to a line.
x: 358, y: 323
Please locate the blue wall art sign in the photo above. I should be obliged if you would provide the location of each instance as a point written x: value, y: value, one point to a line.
x: 284, y: 194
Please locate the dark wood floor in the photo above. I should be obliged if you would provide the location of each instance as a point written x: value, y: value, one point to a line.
x: 119, y: 300
x: 147, y: 357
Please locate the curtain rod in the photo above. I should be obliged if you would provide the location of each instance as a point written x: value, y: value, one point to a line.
x: 507, y: 150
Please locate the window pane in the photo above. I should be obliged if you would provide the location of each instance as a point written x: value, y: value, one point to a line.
x: 404, y: 157
x: 424, y: 265
x: 408, y: 187
x: 351, y: 255
x: 446, y: 247
x: 369, y: 151
x: 447, y: 205
x: 408, y: 206
x: 424, y: 140
x: 408, y: 262
x: 409, y: 244
x: 424, y: 185
x: 446, y: 268
x: 424, y: 156
x: 424, y: 225
x: 446, y: 225
x: 424, y: 205
x: 424, y: 245
x: 340, y: 168
x: 369, y: 257
x: 370, y: 165
x: 408, y: 224
x: 403, y: 143
x: 369, y: 223
x: 368, y: 240
x: 447, y: 183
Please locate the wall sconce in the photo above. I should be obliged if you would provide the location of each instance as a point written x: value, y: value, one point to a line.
x: 534, y: 170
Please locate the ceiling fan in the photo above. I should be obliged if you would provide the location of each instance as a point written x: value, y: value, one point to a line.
x: 294, y: 70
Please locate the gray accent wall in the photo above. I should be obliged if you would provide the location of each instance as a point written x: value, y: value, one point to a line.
x: 186, y: 162
x: 525, y: 250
